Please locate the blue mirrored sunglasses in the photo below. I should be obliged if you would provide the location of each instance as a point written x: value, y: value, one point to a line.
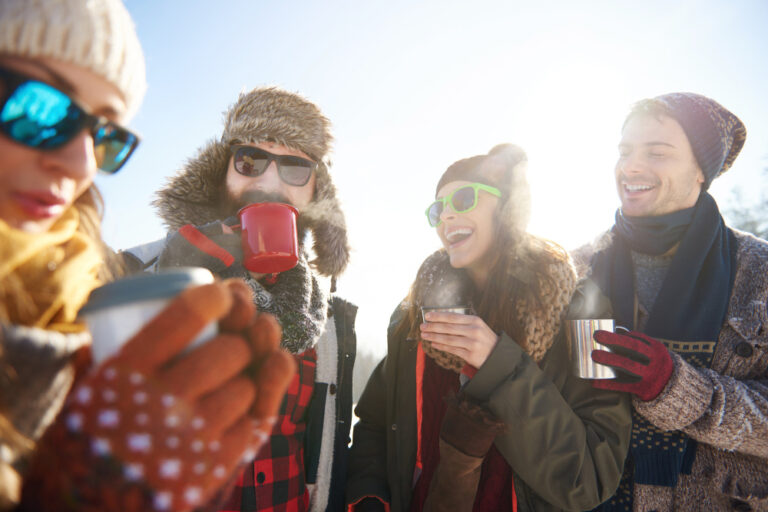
x: 38, y: 115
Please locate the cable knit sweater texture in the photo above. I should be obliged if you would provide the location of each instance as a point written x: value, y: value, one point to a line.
x: 725, y: 407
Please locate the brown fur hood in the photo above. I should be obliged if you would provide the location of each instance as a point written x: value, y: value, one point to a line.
x: 196, y: 193
x: 438, y: 283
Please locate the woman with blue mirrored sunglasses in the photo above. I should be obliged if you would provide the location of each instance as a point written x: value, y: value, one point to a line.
x: 64, y: 93
x: 50, y: 147
x: 38, y: 115
x: 71, y: 73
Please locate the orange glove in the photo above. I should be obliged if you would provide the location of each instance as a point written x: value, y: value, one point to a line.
x: 154, y: 428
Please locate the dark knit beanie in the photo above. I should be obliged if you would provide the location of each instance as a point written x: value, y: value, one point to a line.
x: 715, y: 134
x: 504, y: 167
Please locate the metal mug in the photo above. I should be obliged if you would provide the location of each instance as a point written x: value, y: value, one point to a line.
x: 461, y: 310
x: 581, y: 343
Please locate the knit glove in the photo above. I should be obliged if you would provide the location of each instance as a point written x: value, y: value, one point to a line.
x: 157, y: 428
x: 644, y: 359
x: 208, y: 246
x: 466, y: 434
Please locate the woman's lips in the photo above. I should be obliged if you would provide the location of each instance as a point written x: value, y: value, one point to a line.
x: 40, y: 204
x: 457, y: 237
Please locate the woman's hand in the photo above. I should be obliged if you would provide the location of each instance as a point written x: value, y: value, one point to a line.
x: 465, y: 336
x: 158, y: 428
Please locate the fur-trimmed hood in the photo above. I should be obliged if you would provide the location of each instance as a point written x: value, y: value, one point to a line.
x: 196, y: 194
x: 439, y: 284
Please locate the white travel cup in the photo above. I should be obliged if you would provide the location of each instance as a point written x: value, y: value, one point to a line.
x: 116, y: 311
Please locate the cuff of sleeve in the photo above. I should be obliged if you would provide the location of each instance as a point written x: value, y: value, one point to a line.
x: 368, y: 504
x: 684, y: 399
x: 502, y: 364
x: 469, y: 371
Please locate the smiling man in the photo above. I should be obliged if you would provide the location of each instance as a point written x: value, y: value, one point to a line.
x: 693, y: 292
x: 274, y: 148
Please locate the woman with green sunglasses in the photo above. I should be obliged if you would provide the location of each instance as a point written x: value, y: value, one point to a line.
x: 478, y: 410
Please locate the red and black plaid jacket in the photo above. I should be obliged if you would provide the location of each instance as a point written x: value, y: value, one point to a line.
x: 276, y: 479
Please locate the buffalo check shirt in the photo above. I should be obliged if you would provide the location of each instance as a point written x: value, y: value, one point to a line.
x: 275, y: 481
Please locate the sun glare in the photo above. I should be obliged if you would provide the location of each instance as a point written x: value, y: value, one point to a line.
x: 573, y: 120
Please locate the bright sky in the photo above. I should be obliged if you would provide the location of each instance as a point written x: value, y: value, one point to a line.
x: 411, y: 87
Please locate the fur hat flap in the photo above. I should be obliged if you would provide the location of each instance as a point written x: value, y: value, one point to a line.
x: 197, y: 193
x: 194, y: 194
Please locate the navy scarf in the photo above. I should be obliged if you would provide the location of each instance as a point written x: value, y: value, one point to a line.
x: 690, y: 307
x: 653, y: 235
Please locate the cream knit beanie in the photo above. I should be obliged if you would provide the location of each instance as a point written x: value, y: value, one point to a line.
x: 95, y: 34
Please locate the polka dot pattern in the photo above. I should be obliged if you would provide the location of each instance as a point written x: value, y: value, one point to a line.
x: 157, y: 429
x: 156, y: 436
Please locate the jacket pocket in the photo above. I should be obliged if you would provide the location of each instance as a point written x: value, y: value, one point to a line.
x: 726, y: 481
x: 748, y: 358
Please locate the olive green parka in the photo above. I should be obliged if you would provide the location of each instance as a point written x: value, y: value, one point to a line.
x: 565, y: 441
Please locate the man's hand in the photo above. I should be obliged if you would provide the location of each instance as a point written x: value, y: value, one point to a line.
x: 213, y: 246
x: 645, y: 359
x: 158, y: 428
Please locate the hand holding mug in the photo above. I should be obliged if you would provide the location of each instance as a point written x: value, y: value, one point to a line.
x: 645, y: 361
x: 465, y: 336
x: 155, y: 428
x: 214, y: 246
x: 267, y: 242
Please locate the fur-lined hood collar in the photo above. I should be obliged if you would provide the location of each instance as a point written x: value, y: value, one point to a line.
x: 196, y: 194
x: 439, y: 284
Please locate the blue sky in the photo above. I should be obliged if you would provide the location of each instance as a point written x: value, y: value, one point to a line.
x: 413, y: 86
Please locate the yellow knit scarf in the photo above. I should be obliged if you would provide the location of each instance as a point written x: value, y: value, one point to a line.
x: 45, y: 278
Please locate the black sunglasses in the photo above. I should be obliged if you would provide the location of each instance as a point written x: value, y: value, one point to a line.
x: 38, y: 115
x: 252, y: 161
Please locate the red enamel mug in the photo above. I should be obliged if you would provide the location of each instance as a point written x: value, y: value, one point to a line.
x: 270, y: 242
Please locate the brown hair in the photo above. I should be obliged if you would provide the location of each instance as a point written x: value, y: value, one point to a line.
x: 648, y: 107
x: 90, y: 205
x: 516, y: 280
x: 521, y: 271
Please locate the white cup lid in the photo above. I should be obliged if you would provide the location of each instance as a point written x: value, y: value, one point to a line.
x: 165, y: 283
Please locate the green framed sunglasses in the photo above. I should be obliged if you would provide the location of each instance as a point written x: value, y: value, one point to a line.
x: 462, y: 200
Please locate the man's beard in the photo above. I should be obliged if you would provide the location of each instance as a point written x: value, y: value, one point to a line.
x: 232, y: 204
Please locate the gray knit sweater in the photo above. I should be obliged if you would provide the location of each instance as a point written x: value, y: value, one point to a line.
x: 725, y: 407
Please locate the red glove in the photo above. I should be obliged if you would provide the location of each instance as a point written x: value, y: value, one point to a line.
x: 643, y: 357
x: 155, y: 428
